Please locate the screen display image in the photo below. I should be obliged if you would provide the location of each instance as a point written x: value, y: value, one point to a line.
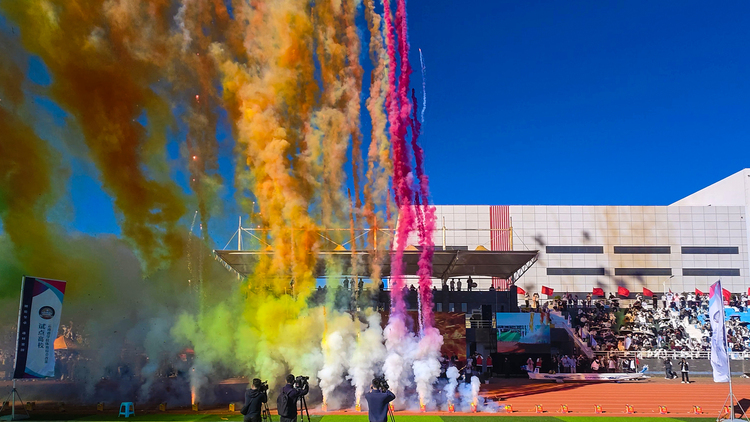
x: 522, y: 333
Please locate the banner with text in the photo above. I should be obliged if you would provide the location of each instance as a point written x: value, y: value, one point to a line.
x: 38, y: 321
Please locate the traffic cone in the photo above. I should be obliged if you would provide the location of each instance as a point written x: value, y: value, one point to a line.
x: 538, y: 408
x: 598, y: 409
x: 663, y: 410
x: 629, y: 409
x: 563, y: 408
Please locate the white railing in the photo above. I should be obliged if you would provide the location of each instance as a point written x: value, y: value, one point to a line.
x: 672, y: 354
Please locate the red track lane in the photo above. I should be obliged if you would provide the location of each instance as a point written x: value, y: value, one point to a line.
x: 645, y: 397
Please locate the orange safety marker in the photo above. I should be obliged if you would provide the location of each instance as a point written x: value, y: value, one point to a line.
x: 563, y: 409
x: 629, y: 409
x: 598, y: 409
x: 663, y: 410
x: 451, y: 408
x: 727, y: 410
x: 697, y: 410
x: 509, y: 408
x: 538, y: 408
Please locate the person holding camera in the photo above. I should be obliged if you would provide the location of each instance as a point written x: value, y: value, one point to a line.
x: 377, y: 400
x: 286, y: 403
x: 255, y: 396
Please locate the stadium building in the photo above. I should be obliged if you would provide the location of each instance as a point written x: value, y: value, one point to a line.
x: 680, y: 247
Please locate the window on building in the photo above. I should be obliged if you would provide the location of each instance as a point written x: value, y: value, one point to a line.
x: 575, y: 249
x: 711, y: 250
x: 727, y: 272
x: 575, y: 271
x: 464, y: 307
x: 643, y: 249
x: 643, y: 271
x: 451, y: 307
x: 439, y: 307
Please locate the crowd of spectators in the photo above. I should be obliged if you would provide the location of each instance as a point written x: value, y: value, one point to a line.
x: 677, y: 322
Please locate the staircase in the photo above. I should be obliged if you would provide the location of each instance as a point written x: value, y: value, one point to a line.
x: 559, y: 322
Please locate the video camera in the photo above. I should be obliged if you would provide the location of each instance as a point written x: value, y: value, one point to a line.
x: 300, y: 382
x: 380, y: 383
x: 263, y: 387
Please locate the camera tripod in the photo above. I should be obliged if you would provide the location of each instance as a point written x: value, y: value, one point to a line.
x: 265, y: 413
x: 390, y: 413
x: 303, y: 406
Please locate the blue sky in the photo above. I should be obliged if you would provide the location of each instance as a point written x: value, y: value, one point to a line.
x: 566, y: 102
x: 583, y: 102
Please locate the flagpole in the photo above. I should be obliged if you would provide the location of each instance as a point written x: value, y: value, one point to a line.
x: 729, y: 359
x: 726, y: 347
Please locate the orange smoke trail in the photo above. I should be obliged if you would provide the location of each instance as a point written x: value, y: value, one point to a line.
x: 103, y: 74
x: 379, y: 165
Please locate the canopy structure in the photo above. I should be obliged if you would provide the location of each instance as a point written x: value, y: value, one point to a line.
x: 445, y: 264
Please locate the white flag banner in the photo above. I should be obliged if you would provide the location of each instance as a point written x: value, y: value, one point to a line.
x: 719, y: 358
x: 38, y: 321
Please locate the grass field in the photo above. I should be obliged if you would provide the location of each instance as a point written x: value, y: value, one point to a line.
x: 363, y: 418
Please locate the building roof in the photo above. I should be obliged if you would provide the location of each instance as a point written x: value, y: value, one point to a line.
x: 445, y: 264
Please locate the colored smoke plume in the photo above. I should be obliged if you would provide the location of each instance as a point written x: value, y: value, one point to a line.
x: 148, y: 93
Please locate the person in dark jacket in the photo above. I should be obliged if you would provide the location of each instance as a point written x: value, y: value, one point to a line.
x: 377, y: 403
x: 254, y: 399
x: 668, y: 372
x: 293, y: 395
x: 685, y: 369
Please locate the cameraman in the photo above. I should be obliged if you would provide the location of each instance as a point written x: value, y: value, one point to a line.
x: 254, y: 399
x: 289, y: 396
x: 377, y: 401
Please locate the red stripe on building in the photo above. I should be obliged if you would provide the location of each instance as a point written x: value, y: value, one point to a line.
x: 500, y: 237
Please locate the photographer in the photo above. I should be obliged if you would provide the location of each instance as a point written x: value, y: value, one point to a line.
x: 378, y: 399
x: 254, y: 399
x: 286, y: 403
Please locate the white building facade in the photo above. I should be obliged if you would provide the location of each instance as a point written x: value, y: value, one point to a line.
x: 680, y: 247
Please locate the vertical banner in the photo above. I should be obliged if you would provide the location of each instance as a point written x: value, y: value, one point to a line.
x: 38, y: 321
x: 719, y: 357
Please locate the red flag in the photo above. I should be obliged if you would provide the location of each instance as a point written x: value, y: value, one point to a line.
x: 646, y: 292
x: 623, y: 291
x: 727, y: 295
x: 698, y: 292
x: 547, y: 291
x: 520, y: 290
x: 597, y: 292
x: 748, y: 291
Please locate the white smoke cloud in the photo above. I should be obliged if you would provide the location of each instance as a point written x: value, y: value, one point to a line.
x: 369, y: 354
x: 427, y: 365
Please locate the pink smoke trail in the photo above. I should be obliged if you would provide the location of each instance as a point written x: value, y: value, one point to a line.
x: 401, y: 177
x: 427, y: 222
